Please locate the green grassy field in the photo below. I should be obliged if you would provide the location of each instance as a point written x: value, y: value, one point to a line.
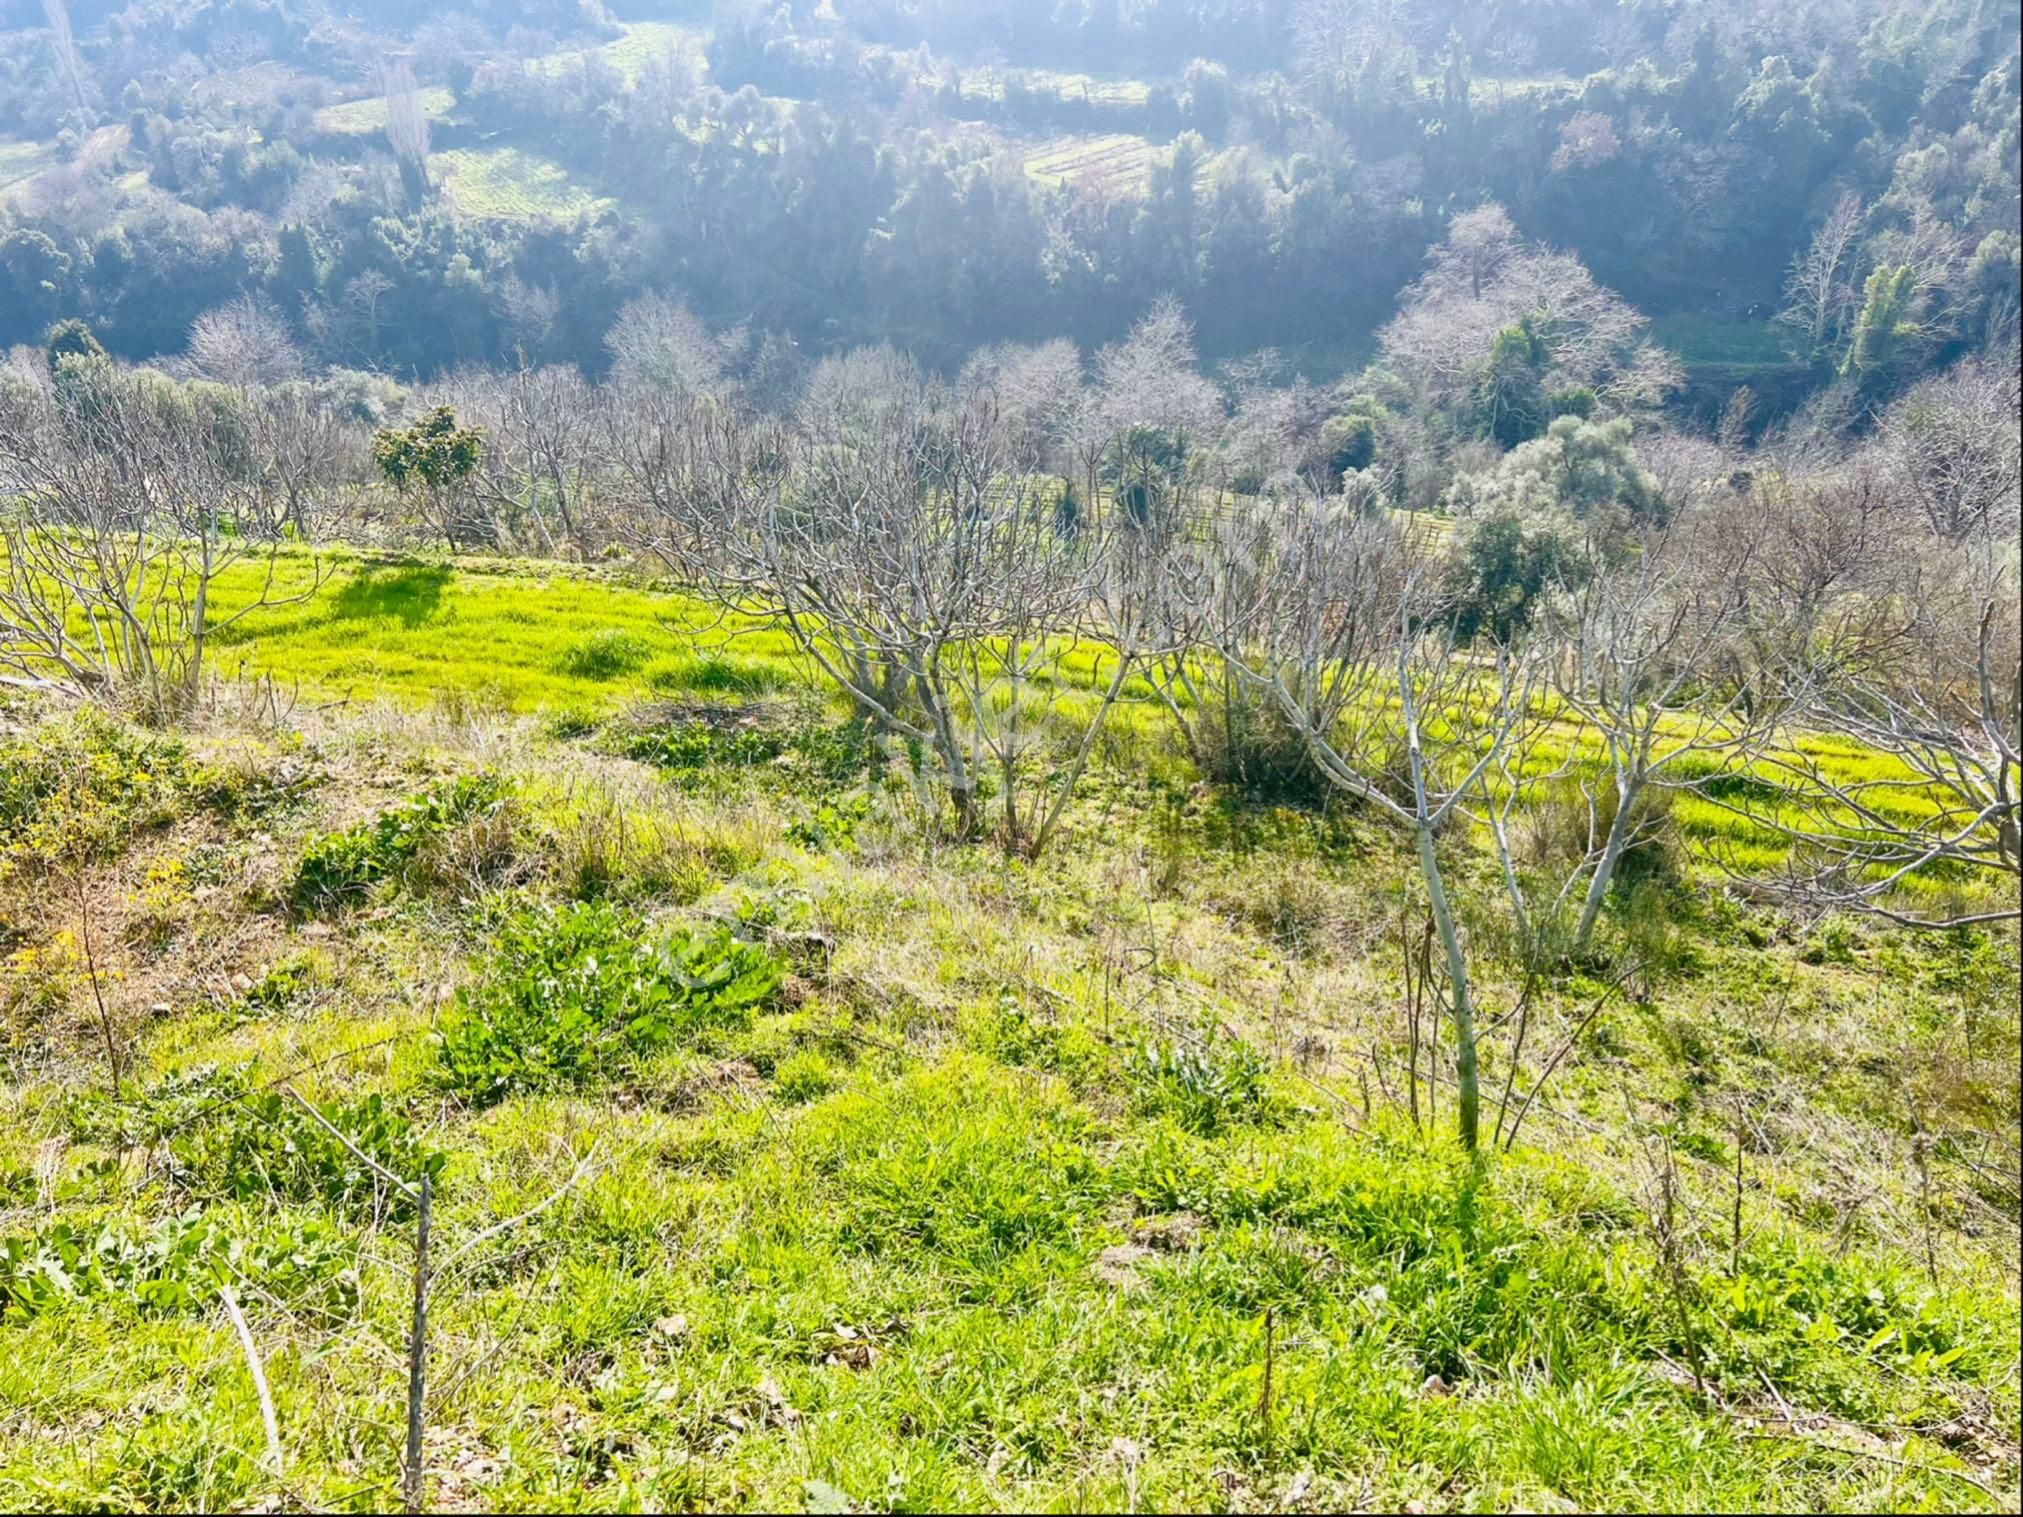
x: 1701, y: 341
x: 1090, y: 1183
x: 527, y: 643
x: 411, y: 630
x: 644, y: 43
x: 507, y: 184
x: 357, y: 118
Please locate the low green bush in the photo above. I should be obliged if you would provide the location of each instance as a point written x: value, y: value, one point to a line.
x: 698, y: 745
x: 716, y: 674
x: 1204, y: 1090
x: 84, y: 784
x: 607, y: 654
x: 570, y: 987
x: 339, y: 868
x: 266, y: 1144
x: 178, y: 1264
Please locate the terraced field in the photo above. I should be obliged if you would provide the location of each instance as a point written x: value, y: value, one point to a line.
x: 1118, y: 159
x: 644, y: 42
x: 506, y: 184
x: 1704, y: 341
x: 244, y: 86
x: 1092, y: 89
x: 21, y: 162
x: 358, y: 118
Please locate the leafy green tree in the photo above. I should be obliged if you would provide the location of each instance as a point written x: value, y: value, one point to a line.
x: 1504, y: 565
x: 1510, y: 398
x: 435, y: 459
x: 435, y: 452
x: 298, y: 276
x: 71, y: 339
x: 33, y: 274
x: 1349, y: 441
x: 1546, y: 515
x: 1887, y: 324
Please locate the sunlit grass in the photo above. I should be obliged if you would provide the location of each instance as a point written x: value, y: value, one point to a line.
x: 1701, y: 341
x: 508, y: 184
x: 411, y: 630
x: 357, y: 118
x: 1118, y: 158
x: 644, y: 43
x: 533, y: 640
x: 928, y: 1233
x: 22, y: 161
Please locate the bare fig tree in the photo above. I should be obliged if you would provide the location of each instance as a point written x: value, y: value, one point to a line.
x: 1642, y: 658
x: 1925, y: 827
x: 307, y: 448
x: 1340, y: 625
x: 899, y: 538
x: 1953, y: 447
x: 132, y: 499
x: 540, y: 478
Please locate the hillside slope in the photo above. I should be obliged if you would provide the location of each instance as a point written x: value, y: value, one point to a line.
x: 783, y: 1157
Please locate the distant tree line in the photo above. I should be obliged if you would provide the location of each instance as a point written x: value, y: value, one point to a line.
x: 839, y: 181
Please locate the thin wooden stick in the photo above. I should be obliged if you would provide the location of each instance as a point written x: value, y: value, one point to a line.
x: 259, y: 1374
x: 526, y: 1216
x: 417, y: 1356
x: 357, y: 1153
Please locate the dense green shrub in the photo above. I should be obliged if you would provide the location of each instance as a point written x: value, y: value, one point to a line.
x: 569, y: 987
x: 1242, y: 740
x: 607, y: 654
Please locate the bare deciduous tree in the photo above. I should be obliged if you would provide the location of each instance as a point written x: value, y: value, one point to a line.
x: 306, y: 448
x: 1642, y: 660
x: 407, y: 129
x: 1954, y: 447
x: 1336, y: 625
x: 543, y: 475
x: 1821, y: 291
x: 1483, y: 280
x: 64, y: 45
x: 1923, y: 673
x: 132, y: 495
x: 659, y: 344
x: 898, y: 538
x: 245, y: 344
x: 1154, y: 415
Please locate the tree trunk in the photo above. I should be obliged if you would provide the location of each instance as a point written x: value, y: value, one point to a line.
x: 1466, y: 1078
x: 1628, y: 794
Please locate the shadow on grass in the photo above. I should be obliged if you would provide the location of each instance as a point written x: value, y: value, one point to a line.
x: 408, y: 595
